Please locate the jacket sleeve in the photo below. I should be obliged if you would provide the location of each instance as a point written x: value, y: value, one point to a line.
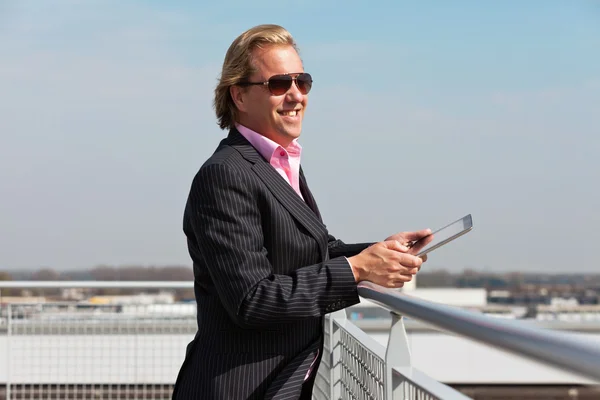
x: 226, y: 222
x: 337, y: 248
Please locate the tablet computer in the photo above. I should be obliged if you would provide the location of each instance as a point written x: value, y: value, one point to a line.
x: 445, y: 235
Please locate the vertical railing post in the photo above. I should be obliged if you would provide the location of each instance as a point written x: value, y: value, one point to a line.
x: 335, y: 319
x: 8, y: 335
x: 397, y: 355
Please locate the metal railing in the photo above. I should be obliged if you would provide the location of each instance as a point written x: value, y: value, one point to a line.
x: 131, y: 351
x: 78, y: 350
x: 355, y: 366
x: 95, y: 351
x: 359, y: 368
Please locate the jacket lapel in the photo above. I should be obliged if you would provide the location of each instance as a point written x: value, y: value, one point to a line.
x: 308, y: 197
x: 282, y: 190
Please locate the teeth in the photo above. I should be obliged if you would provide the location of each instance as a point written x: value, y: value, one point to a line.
x: 289, y: 113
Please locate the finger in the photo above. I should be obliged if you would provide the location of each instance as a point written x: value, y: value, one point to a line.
x: 404, y: 277
x: 396, y: 283
x: 409, y: 261
x: 396, y: 245
x: 416, y: 235
x: 405, y: 272
x: 391, y: 283
x: 414, y: 271
x: 419, y: 245
x: 399, y: 282
x: 424, y: 257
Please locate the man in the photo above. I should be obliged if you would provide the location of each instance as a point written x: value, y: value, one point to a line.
x: 266, y: 269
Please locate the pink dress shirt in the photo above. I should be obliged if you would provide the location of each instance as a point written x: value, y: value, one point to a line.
x: 286, y: 162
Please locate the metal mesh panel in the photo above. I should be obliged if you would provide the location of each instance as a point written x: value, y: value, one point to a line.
x: 73, y: 351
x: 412, y: 384
x: 362, y: 371
x: 412, y: 392
x: 322, y: 388
x: 88, y: 391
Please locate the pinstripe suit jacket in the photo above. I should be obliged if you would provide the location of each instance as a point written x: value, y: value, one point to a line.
x: 266, y: 271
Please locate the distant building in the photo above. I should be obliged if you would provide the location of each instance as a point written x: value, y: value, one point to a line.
x: 458, y: 297
x: 142, y: 298
x: 22, y: 299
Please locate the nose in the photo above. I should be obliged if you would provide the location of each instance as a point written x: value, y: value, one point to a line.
x: 293, y: 95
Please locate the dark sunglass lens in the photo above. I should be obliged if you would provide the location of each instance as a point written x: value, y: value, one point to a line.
x: 279, y: 85
x: 304, y: 82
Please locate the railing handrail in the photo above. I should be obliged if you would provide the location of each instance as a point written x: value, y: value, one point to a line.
x: 96, y: 284
x: 553, y: 348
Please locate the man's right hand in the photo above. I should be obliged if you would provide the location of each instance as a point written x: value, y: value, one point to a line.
x: 385, y: 263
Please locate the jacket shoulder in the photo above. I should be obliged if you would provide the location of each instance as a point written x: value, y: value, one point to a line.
x: 228, y: 157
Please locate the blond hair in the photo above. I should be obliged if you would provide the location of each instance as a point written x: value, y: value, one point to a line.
x: 238, y: 66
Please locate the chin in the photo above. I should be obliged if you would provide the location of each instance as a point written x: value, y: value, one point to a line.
x: 295, y: 131
x: 291, y: 133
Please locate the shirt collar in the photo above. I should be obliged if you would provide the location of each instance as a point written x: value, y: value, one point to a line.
x: 265, y: 146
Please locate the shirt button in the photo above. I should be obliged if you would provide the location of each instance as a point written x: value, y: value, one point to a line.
x: 282, y: 153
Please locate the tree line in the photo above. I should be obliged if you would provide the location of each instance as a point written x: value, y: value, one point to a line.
x: 467, y: 278
x: 104, y: 273
x: 101, y: 273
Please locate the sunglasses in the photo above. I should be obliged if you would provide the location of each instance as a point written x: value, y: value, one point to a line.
x: 280, y: 84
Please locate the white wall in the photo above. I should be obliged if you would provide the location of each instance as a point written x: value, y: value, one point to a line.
x: 92, y: 359
x: 453, y: 360
x: 157, y: 359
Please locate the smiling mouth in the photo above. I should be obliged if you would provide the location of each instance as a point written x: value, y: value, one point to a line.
x: 289, y: 113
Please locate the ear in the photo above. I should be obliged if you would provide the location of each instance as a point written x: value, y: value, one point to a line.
x: 238, y: 94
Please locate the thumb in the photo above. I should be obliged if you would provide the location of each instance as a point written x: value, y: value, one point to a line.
x: 395, y: 245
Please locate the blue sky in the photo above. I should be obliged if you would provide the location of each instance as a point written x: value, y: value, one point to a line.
x: 421, y: 112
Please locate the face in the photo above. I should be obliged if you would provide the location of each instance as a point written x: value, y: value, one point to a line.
x: 278, y: 117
